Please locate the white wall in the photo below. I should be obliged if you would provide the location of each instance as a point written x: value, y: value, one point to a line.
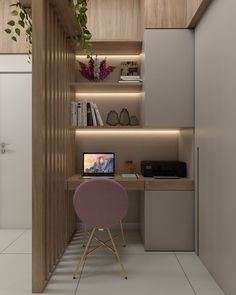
x: 216, y: 137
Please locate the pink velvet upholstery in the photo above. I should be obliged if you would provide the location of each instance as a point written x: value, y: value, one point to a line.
x: 100, y: 202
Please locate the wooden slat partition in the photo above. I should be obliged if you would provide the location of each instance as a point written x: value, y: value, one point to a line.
x: 53, y: 141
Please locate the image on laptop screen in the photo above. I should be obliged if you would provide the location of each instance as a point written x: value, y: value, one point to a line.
x: 100, y: 164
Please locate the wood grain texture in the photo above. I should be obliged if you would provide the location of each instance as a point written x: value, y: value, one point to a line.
x: 7, y: 45
x: 53, y: 141
x: 121, y: 47
x: 164, y: 13
x: 181, y: 184
x: 114, y: 19
x: 198, y: 13
x: 192, y: 7
x: 140, y: 184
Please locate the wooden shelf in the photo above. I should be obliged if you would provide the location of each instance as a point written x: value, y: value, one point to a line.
x: 105, y: 87
x: 116, y: 47
x: 107, y: 127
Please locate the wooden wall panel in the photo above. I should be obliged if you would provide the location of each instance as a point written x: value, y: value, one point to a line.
x: 164, y: 13
x: 114, y: 19
x: 192, y: 7
x: 6, y: 44
x: 195, y: 11
x: 53, y: 141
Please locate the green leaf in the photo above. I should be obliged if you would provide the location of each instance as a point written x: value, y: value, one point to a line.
x: 14, y: 38
x: 21, y: 23
x: 14, y: 13
x: 17, y: 31
x: 8, y: 31
x: 22, y: 15
x: 11, y: 23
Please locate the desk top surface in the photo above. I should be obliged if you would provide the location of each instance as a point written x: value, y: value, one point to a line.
x: 140, y: 183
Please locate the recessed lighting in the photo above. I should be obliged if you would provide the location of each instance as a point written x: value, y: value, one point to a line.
x: 116, y: 131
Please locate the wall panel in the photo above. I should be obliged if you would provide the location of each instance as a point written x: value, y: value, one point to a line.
x: 53, y: 140
x: 164, y: 13
x: 114, y: 19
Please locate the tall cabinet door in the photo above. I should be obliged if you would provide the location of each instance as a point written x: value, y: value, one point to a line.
x: 15, y: 142
x: 168, y: 78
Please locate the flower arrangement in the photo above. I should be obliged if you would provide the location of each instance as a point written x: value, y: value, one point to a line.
x: 95, y: 70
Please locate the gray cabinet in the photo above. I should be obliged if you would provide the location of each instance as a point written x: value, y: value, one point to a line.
x: 168, y: 78
x: 167, y: 220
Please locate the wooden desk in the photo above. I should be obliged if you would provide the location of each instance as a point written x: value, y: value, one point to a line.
x: 166, y: 210
x: 140, y: 184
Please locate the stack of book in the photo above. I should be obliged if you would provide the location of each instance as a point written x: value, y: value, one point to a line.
x: 84, y: 114
x: 129, y: 72
x: 130, y: 79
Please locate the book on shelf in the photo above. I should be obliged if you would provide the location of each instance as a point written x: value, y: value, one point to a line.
x: 129, y: 81
x: 98, y: 116
x: 93, y: 115
x: 73, y: 114
x: 84, y: 113
x: 130, y: 78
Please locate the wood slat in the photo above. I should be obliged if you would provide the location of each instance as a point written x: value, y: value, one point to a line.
x: 53, y: 150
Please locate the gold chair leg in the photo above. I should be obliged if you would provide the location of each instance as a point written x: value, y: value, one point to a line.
x: 116, y: 254
x: 85, y: 235
x: 122, y: 234
x: 84, y: 254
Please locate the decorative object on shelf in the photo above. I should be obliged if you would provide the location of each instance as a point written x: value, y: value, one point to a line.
x: 112, y: 118
x: 134, y: 121
x: 95, y: 70
x: 22, y: 20
x: 129, y: 166
x: 129, y: 72
x: 124, y: 117
x: 129, y: 68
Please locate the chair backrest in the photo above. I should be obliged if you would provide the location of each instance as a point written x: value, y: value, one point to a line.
x: 100, y: 202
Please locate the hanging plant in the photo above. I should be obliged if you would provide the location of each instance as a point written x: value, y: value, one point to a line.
x: 21, y: 20
x: 82, y: 39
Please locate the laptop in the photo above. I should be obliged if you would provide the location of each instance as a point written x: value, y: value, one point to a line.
x: 98, y: 165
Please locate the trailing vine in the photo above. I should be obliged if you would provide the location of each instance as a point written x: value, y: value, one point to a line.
x: 21, y: 20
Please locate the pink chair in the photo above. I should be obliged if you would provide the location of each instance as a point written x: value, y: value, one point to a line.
x: 100, y: 204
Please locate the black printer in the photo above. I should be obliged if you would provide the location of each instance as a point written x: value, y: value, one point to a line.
x: 165, y: 169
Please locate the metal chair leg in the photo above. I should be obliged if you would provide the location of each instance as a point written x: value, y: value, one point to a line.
x: 122, y: 234
x: 84, y: 254
x: 116, y: 254
x: 85, y: 235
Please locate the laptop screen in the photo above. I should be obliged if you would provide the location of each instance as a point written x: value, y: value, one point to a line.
x: 98, y: 164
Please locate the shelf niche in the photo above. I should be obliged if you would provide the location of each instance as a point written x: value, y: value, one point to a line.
x: 106, y: 87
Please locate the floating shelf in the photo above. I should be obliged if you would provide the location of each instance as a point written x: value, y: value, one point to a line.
x: 116, y: 47
x: 100, y: 87
x: 107, y: 127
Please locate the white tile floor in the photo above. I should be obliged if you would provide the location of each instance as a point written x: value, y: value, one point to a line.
x: 148, y: 272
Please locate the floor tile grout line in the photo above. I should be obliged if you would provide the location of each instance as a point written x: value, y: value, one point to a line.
x: 185, y: 274
x: 2, y: 252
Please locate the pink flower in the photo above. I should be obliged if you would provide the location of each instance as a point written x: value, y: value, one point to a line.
x: 87, y: 71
